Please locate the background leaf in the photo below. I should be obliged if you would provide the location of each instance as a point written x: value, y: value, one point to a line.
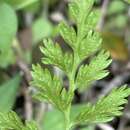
x: 106, y: 108
x: 8, y: 93
x: 8, y: 28
x: 55, y: 118
x: 18, y: 4
x: 41, y: 28
x: 116, y: 6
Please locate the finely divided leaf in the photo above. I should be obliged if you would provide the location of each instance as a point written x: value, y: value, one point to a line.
x: 30, y: 125
x: 10, y: 121
x: 85, y: 8
x: 90, y: 44
x: 80, y: 10
x: 74, y: 10
x: 87, y: 41
x: 92, y: 20
x: 49, y: 88
x: 55, y: 56
x: 69, y: 35
x: 106, y: 108
x: 95, y: 70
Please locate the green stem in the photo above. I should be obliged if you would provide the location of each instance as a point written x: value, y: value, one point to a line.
x: 67, y: 119
x: 71, y: 92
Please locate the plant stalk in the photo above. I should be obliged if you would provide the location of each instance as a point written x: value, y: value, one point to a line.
x: 71, y: 92
x: 67, y: 119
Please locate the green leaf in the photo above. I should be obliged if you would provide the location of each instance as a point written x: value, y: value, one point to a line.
x: 8, y: 25
x: 105, y: 109
x: 86, y: 41
x: 50, y: 88
x: 19, y: 4
x: 55, y: 56
x: 53, y: 118
x: 116, y: 6
x: 74, y: 10
x: 41, y: 28
x: 11, y: 121
x: 79, y: 10
x: 95, y: 70
x: 35, y: 6
x: 90, y: 44
x: 69, y: 34
x: 30, y: 125
x: 7, y: 57
x: 8, y: 92
x: 83, y: 17
x: 8, y: 29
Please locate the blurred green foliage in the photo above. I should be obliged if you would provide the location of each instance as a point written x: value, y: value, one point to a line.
x: 55, y: 118
x: 8, y: 29
x: 8, y: 92
x: 116, y: 6
x: 19, y: 4
x: 127, y: 1
x: 41, y: 28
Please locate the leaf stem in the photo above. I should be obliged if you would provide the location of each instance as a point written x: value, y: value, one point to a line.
x: 67, y: 119
x: 68, y: 124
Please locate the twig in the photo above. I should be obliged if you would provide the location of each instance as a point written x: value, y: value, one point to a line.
x: 28, y: 101
x: 122, y: 123
x: 24, y: 68
x: 40, y: 115
x: 105, y: 127
x: 28, y: 19
x: 28, y: 104
x: 103, y: 15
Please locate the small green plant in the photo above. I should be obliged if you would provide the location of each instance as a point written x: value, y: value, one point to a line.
x: 85, y: 42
